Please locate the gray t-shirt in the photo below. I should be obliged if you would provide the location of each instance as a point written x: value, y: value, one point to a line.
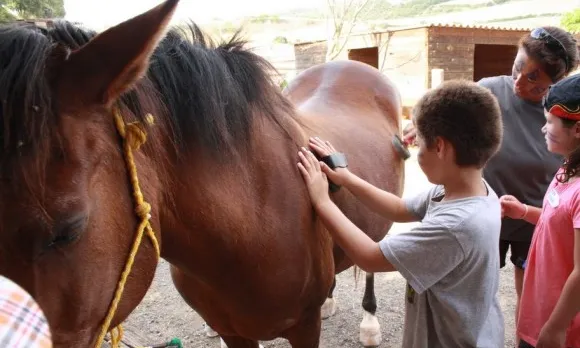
x: 452, y: 270
x: 523, y: 166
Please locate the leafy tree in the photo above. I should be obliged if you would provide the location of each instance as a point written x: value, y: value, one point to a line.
x: 571, y: 21
x: 5, y: 15
x: 342, y: 16
x: 27, y: 9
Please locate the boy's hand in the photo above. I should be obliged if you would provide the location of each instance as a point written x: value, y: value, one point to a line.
x: 314, y: 177
x: 511, y: 207
x: 322, y: 148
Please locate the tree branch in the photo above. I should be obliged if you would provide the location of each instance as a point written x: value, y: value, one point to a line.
x: 339, y: 40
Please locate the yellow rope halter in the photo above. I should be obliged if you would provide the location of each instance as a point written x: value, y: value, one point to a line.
x: 133, y: 136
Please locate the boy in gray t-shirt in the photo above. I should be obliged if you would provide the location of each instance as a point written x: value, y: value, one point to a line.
x: 450, y: 261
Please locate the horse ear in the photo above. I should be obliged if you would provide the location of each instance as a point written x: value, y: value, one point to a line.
x: 113, y: 61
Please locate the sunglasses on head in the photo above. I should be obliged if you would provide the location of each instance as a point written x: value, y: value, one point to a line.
x: 543, y: 35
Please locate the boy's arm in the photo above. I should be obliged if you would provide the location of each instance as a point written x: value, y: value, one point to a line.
x: 423, y: 256
x: 380, y: 201
x: 568, y: 305
x: 384, y: 203
x: 359, y: 247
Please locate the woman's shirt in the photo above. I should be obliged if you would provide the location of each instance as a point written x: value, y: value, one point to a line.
x: 523, y: 166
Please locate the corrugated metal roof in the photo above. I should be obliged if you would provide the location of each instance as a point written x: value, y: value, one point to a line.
x: 467, y: 26
x: 441, y: 25
x: 433, y: 25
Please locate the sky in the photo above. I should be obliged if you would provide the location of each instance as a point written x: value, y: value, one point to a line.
x: 101, y: 13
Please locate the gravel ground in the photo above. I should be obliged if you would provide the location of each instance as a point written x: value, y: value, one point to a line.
x: 163, y: 314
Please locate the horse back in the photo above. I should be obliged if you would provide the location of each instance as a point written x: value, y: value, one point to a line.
x: 358, y: 110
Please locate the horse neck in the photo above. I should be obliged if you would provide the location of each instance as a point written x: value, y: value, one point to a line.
x: 215, y: 199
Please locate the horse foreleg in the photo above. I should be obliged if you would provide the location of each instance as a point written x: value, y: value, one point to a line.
x: 329, y: 307
x: 370, y: 329
x: 209, y: 331
x: 306, y: 332
x: 238, y: 342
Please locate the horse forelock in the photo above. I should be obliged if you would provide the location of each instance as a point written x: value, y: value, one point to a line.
x: 26, y: 110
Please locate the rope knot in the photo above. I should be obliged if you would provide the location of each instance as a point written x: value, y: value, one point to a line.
x: 135, y: 135
x: 143, y: 210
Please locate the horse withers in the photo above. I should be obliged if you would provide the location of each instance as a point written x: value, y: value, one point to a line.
x: 218, y: 167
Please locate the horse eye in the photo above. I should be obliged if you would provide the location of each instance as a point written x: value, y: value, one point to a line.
x: 68, y: 231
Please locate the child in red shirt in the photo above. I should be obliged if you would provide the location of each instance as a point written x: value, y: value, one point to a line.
x: 549, y: 314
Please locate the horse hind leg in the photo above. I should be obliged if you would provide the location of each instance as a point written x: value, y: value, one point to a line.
x: 370, y: 329
x: 329, y: 307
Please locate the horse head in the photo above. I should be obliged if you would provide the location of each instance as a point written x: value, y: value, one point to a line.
x: 67, y: 202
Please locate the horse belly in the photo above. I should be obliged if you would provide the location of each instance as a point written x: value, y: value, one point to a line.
x: 254, y: 309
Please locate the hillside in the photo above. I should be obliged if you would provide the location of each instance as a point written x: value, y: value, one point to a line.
x: 383, y: 10
x: 300, y: 25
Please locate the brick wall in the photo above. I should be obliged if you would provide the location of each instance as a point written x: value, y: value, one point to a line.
x: 453, y: 50
x: 309, y: 54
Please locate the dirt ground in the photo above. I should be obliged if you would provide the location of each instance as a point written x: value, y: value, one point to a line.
x: 163, y: 314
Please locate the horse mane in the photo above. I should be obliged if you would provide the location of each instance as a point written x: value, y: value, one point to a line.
x: 224, y: 86
x: 213, y: 94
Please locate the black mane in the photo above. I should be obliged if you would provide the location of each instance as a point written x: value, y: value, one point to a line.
x: 211, y: 92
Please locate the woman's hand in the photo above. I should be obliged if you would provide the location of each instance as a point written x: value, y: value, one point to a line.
x: 512, y: 207
x: 314, y: 178
x: 322, y: 148
x: 551, y: 338
x: 409, y: 134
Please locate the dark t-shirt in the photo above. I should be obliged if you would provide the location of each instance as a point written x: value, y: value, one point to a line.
x: 523, y: 166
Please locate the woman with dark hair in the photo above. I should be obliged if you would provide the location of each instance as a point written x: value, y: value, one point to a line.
x: 523, y: 167
x: 549, y: 314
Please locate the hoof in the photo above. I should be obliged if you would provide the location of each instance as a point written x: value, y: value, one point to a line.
x: 328, y: 308
x: 224, y: 345
x: 210, y: 332
x: 370, y: 331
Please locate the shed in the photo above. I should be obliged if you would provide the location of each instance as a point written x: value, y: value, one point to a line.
x: 409, y: 55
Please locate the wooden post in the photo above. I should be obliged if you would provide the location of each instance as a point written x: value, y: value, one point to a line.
x: 437, y: 77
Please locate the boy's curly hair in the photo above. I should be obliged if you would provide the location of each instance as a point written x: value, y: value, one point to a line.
x: 465, y: 114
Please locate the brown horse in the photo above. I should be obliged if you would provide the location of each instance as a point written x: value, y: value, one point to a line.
x: 229, y: 208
